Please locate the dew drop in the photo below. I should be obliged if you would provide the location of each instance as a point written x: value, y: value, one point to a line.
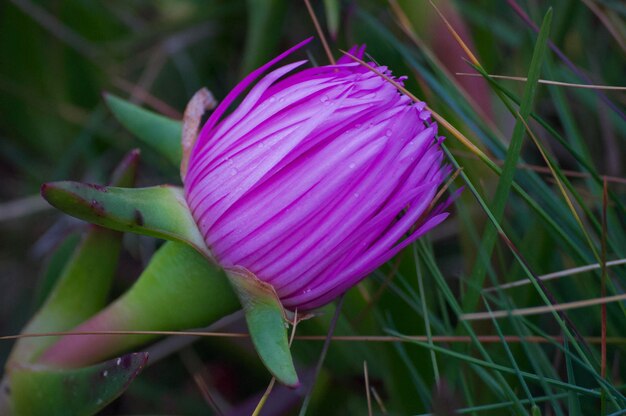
x: 105, y: 373
x: 272, y: 99
x: 324, y: 99
x: 388, y: 133
x: 356, y: 194
x: 352, y: 165
x: 280, y: 100
x: 233, y: 171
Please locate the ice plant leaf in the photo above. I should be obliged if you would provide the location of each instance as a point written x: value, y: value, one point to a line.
x: 159, y: 211
x: 265, y: 317
x: 80, y: 292
x: 178, y: 290
x: 37, y: 390
x: 54, y: 268
x: 84, y: 281
x: 160, y: 132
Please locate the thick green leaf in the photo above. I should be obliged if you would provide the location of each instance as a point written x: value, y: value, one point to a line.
x: 160, y: 132
x: 82, y: 287
x: 54, y: 267
x: 265, y: 317
x: 178, y: 290
x: 37, y: 390
x: 159, y: 211
x: 80, y: 292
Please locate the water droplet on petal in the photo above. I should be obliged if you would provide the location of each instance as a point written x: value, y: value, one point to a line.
x: 233, y: 171
x: 352, y: 165
x: 388, y: 133
x: 272, y: 99
x: 324, y: 98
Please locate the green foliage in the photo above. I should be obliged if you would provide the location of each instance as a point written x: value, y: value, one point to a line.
x: 159, y: 211
x: 84, y: 391
x: 162, y: 133
x: 155, y: 55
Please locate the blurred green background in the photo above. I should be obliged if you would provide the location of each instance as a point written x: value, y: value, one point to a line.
x: 57, y: 58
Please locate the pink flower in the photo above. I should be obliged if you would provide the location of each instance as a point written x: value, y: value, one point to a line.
x: 317, y: 178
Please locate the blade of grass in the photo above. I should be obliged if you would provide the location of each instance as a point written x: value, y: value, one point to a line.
x: 560, y: 319
x: 477, y: 276
x: 520, y: 12
x: 511, y: 358
x: 320, y: 362
x: 425, y: 312
x: 573, y: 402
x: 504, y: 369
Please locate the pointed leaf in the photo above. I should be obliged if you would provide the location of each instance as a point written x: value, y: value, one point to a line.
x: 84, y: 281
x: 53, y: 269
x: 37, y: 390
x: 178, y: 290
x: 161, y: 133
x: 159, y: 211
x: 266, y: 321
x: 80, y: 292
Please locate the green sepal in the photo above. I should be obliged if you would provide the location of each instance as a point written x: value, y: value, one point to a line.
x: 266, y: 321
x: 159, y: 211
x: 179, y: 289
x: 161, y: 133
x: 38, y: 390
x: 83, y: 285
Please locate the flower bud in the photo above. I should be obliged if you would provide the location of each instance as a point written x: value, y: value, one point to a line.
x: 317, y: 178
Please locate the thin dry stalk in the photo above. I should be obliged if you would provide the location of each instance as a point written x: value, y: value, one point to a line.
x: 548, y: 82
